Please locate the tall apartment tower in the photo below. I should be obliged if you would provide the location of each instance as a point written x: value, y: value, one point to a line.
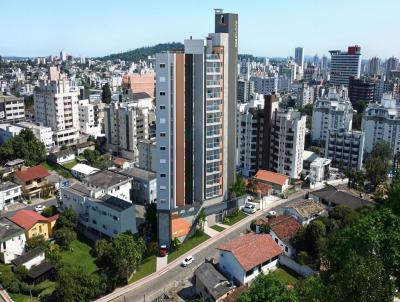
x: 56, y: 106
x: 345, y: 64
x: 196, y: 123
x: 228, y: 23
x: 374, y: 66
x: 299, y: 56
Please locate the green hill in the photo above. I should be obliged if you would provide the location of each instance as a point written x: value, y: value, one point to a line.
x: 143, y: 52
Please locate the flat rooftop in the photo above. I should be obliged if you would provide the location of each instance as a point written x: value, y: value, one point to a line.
x: 106, y: 179
x: 138, y: 173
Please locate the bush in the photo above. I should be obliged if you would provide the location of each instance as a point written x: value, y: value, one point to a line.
x: 64, y: 237
x: 226, y: 220
x: 14, y: 287
x: 49, y: 211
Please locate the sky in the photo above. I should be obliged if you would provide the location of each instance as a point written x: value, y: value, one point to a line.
x: 268, y: 28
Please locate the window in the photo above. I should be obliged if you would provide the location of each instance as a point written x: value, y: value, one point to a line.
x: 163, y: 175
x: 162, y: 134
x: 163, y: 187
x: 162, y: 107
x: 162, y: 92
x: 162, y: 65
x: 163, y: 161
x: 163, y: 200
x: 163, y: 148
x: 286, y: 249
x: 162, y: 120
x: 162, y: 79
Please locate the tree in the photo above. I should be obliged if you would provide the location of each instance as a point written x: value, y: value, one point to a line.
x: 268, y: 288
x: 36, y: 241
x: 202, y: 219
x: 53, y: 254
x: 120, y: 257
x: 378, y: 163
x: 94, y: 158
x: 75, y: 284
x: 239, y: 187
x: 393, y: 200
x: 344, y: 216
x: 49, y: 211
x: 26, y: 146
x: 67, y: 219
x: 64, y: 237
x: 106, y: 95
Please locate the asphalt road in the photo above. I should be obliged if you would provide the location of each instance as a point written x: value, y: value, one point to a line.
x: 175, y: 275
x: 46, y: 203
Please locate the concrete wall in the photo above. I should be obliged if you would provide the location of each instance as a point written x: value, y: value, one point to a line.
x: 14, y: 247
x: 302, y: 270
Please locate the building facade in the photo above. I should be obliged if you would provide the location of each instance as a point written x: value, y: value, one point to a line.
x: 12, y: 109
x: 345, y: 64
x: 330, y: 113
x: 89, y: 121
x: 345, y: 149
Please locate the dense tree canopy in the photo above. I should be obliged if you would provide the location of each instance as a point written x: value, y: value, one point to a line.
x: 106, y: 95
x: 26, y: 146
x: 378, y: 163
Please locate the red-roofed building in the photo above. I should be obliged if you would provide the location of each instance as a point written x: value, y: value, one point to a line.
x: 244, y: 258
x: 283, y: 229
x: 279, y: 182
x: 32, y: 180
x: 34, y: 224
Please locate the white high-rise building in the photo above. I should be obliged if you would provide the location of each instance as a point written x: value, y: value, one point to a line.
x: 89, y: 122
x: 56, y: 106
x: 331, y: 113
x: 299, y: 56
x: 287, y: 142
x: 305, y: 95
x: 345, y: 64
x: 382, y: 122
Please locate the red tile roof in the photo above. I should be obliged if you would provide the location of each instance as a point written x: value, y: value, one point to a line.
x: 27, y: 218
x: 52, y: 218
x: 252, y: 249
x: 119, y: 161
x: 271, y: 177
x: 32, y: 173
x: 285, y: 227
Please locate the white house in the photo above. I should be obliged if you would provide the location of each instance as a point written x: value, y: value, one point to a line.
x: 80, y: 171
x: 9, y: 193
x: 304, y: 211
x: 62, y: 156
x: 283, y: 229
x: 44, y: 134
x: 109, y: 182
x: 12, y: 240
x: 244, y: 258
x: 30, y: 259
x: 106, y: 214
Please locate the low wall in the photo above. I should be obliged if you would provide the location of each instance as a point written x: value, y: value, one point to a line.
x: 302, y: 270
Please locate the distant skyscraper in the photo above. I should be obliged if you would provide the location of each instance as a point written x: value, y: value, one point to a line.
x: 196, y: 124
x: 374, y: 66
x: 345, y: 64
x: 316, y: 61
x: 63, y: 55
x: 391, y: 64
x: 299, y: 56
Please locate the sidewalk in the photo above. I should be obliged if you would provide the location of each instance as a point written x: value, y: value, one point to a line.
x: 210, y: 232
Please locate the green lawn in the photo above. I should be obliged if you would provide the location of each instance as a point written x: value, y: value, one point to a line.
x: 147, y: 267
x: 60, y: 171
x: 70, y: 165
x: 23, y: 298
x: 80, y: 256
x: 187, y: 246
x: 286, y: 275
x: 234, y: 219
x: 217, y: 228
x: 47, y: 289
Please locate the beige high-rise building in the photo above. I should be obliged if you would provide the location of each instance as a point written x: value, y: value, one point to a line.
x: 56, y: 106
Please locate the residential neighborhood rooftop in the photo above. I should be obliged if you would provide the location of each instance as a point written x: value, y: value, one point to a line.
x: 84, y: 169
x: 252, y: 249
x: 9, y: 229
x: 115, y: 203
x: 307, y: 208
x: 271, y: 177
x: 105, y: 179
x: 29, y: 255
x: 216, y: 283
x: 27, y: 218
x: 139, y: 173
x: 7, y: 185
x: 284, y: 226
x: 32, y: 173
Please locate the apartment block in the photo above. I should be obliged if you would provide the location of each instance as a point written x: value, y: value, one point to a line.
x: 345, y: 149
x: 331, y: 113
x: 12, y: 109
x: 345, y: 64
x: 89, y: 118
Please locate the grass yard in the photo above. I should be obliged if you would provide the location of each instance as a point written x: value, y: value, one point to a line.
x: 234, y: 219
x: 80, y: 256
x: 47, y: 287
x: 70, y: 165
x: 217, y: 228
x: 60, y: 171
x: 187, y: 246
x: 23, y: 298
x: 147, y: 267
x: 286, y: 275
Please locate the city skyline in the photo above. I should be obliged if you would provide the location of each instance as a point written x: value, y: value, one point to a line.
x: 53, y: 27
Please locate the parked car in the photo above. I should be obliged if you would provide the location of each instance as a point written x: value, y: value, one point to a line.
x: 188, y: 260
x: 249, y: 208
x: 163, y: 250
x: 271, y: 214
x: 39, y: 208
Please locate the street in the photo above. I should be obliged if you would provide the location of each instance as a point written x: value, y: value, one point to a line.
x: 159, y: 282
x: 46, y: 203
